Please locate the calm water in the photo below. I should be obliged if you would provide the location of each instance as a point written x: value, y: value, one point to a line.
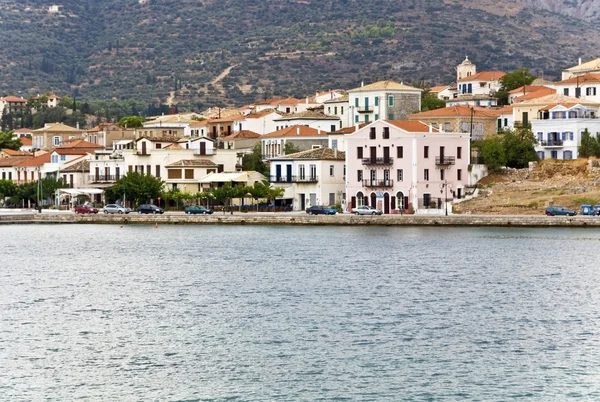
x: 298, y: 313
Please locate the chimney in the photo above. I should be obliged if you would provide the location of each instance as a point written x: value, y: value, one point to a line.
x: 580, y: 61
x: 362, y: 83
x: 430, y: 128
x: 297, y: 130
x: 77, y: 125
x: 319, y: 131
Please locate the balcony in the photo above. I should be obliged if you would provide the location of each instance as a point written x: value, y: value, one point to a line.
x: 103, y: 179
x: 294, y: 179
x: 202, y: 152
x: 445, y: 160
x: 143, y: 152
x: 365, y: 109
x: 378, y: 183
x: 552, y: 143
x: 378, y: 161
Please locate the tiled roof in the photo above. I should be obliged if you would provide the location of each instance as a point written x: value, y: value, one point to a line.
x: 61, y: 151
x: 545, y: 91
x: 13, y: 99
x: 581, y: 79
x: 565, y: 105
x: 26, y: 141
x: 385, y: 85
x: 23, y: 130
x: 281, y: 101
x: 295, y: 131
x: 456, y: 110
x: 263, y: 113
x: 200, y: 123
x: 12, y: 152
x: 438, y: 88
x: 81, y: 144
x: 36, y: 161
x: 526, y: 89
x: 81, y: 166
x: 13, y: 160
x: 308, y: 114
x: 556, y: 99
x: 412, y: 126
x: 242, y: 134
x: 56, y: 128
x: 192, y: 163
x: 227, y: 118
x: 484, y: 76
x: 349, y: 130
x: 159, y: 139
x: 344, y: 98
x: 317, y: 154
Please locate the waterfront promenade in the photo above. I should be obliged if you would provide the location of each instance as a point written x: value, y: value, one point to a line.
x: 300, y: 218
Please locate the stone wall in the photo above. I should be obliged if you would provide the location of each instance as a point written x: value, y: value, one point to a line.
x: 404, y: 105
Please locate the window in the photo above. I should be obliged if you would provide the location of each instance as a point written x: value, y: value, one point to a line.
x: 400, y: 175
x: 386, y: 133
x: 359, y: 152
x: 568, y: 155
x: 459, y: 174
x: 578, y: 92
x: 341, y: 110
x: 425, y: 151
x: 376, y: 117
x: 570, y: 136
x: 458, y: 152
x: 591, y: 91
x: 330, y: 170
x: 313, y: 172
x: 442, y: 174
x: 56, y: 140
x: 377, y: 101
x: 54, y: 158
x: 157, y: 168
x: 329, y: 110
x: 158, y: 145
x: 373, y: 175
x: 426, y: 174
x: 391, y: 100
x: 372, y: 135
x: 356, y: 102
x: 566, y: 91
x: 400, y: 152
x: 189, y: 173
x: 301, y: 172
x: 335, y: 110
x: 174, y: 174
x: 356, y: 119
x: 334, y: 144
x: 447, y: 126
x: 148, y: 170
x: 63, y: 157
x: 390, y: 116
x: 359, y: 175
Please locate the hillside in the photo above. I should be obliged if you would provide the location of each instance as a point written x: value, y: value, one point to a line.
x: 203, y: 53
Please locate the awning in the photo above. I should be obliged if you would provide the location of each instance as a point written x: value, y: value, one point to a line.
x: 74, y: 192
x: 224, y: 177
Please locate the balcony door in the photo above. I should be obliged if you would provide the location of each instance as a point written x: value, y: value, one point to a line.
x: 373, y: 154
x: 386, y: 154
x: 288, y: 172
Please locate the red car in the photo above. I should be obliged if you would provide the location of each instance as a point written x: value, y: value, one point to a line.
x: 84, y: 209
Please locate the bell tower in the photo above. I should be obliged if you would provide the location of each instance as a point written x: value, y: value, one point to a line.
x: 465, y: 69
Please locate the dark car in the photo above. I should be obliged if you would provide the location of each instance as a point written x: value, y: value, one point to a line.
x: 321, y: 210
x: 198, y: 209
x: 556, y: 210
x: 85, y: 209
x: 150, y: 209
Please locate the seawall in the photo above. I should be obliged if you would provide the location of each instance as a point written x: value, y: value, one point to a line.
x: 299, y: 219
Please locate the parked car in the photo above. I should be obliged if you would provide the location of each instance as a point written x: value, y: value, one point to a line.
x: 150, y: 209
x: 198, y: 209
x: 586, y: 209
x: 321, y: 210
x: 85, y: 209
x: 115, y: 209
x: 556, y: 210
x: 366, y: 210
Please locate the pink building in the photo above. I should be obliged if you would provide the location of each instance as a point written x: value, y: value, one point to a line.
x: 396, y: 165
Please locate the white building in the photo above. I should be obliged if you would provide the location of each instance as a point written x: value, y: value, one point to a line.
x: 313, y: 177
x: 585, y: 87
x: 302, y: 137
x: 314, y: 119
x: 592, y: 66
x: 340, y: 108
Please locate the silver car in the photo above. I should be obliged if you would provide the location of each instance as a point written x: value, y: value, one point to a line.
x: 366, y: 210
x: 115, y: 209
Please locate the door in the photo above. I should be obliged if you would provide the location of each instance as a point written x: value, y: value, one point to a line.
x: 554, y: 154
x: 373, y: 154
x: 386, y: 203
x: 202, y: 148
x: 313, y: 199
x: 278, y: 173
x: 525, y: 119
x: 386, y: 154
x: 352, y: 202
x: 302, y: 202
x: 144, y: 148
x: 373, y: 200
x: 393, y: 203
x: 288, y: 172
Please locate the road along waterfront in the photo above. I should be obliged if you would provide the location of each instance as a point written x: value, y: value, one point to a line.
x: 264, y: 313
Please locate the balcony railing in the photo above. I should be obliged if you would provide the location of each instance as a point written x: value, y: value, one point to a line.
x: 552, y: 143
x: 378, y: 161
x: 378, y: 183
x: 142, y: 152
x: 365, y: 109
x: 103, y: 178
x: 201, y: 152
x: 294, y: 179
x: 445, y: 160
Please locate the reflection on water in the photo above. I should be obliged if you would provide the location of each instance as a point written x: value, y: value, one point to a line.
x: 298, y: 313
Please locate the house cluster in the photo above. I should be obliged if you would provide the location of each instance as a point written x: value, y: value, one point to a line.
x: 369, y: 145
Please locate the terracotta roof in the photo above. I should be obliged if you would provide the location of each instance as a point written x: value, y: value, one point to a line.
x: 412, y: 126
x: 526, y: 89
x: 535, y: 94
x: 456, y: 110
x: 159, y: 139
x: 438, y: 88
x: 281, y: 101
x: 26, y: 141
x: 72, y: 151
x: 200, y: 123
x: 308, y: 114
x: 556, y: 99
x: 242, y: 134
x: 296, y: 131
x: 80, y: 144
x: 13, y: 161
x: 36, y: 161
x: 171, y: 118
x: 192, y: 163
x: 173, y: 146
x: 484, y: 76
x: 506, y: 110
x: 317, y: 154
x: 263, y: 113
x: 23, y: 130
x: 56, y: 127
x: 344, y: 98
x: 13, y: 99
x: 81, y: 166
x: 227, y: 118
x: 581, y: 79
x: 565, y: 105
x: 385, y: 85
x: 12, y: 152
x: 349, y: 130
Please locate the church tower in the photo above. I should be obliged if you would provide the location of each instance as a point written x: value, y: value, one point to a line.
x: 465, y: 69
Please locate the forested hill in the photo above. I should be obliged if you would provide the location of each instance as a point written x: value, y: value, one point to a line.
x: 236, y: 51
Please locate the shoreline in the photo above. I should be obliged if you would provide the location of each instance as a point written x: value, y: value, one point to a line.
x: 308, y: 220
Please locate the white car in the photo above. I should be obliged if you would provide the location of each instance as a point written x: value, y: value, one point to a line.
x: 115, y: 209
x: 366, y: 210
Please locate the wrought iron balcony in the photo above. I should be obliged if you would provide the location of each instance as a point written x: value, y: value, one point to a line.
x: 445, y: 160
x: 378, y: 183
x: 141, y: 152
x: 201, y: 152
x: 365, y: 109
x: 552, y: 143
x: 103, y: 178
x: 294, y: 179
x: 378, y: 161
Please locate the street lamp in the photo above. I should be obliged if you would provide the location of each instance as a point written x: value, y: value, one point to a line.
x: 444, y: 188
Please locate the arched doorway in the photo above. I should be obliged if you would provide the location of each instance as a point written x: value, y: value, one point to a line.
x: 360, y: 198
x: 400, y: 201
x: 386, y: 203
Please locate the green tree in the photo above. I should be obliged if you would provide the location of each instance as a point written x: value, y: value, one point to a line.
x: 138, y: 188
x: 519, y: 148
x: 131, y: 121
x: 513, y: 80
x: 254, y: 161
x: 7, y: 141
x: 589, y: 145
x: 492, y: 152
x: 430, y: 101
x: 290, y: 148
x: 8, y: 188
